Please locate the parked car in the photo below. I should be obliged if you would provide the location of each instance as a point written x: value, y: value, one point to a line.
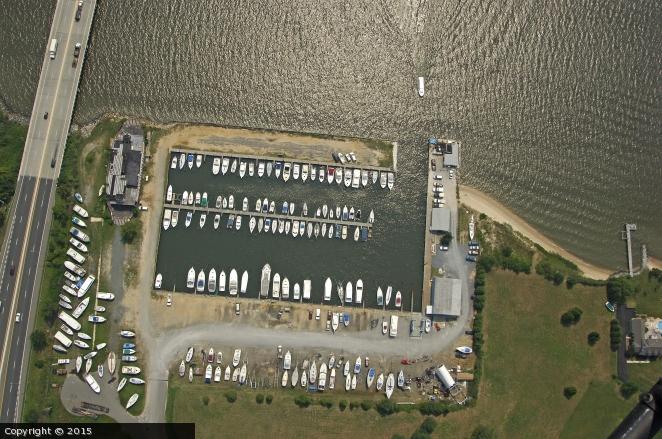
x: 318, y: 313
x: 169, y: 300
x: 236, y: 308
x: 438, y: 177
x: 471, y: 258
x: 469, y: 332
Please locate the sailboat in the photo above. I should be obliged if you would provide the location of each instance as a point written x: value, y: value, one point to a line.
x: 182, y: 160
x: 380, y: 382
x: 371, y: 376
x: 380, y: 297
x: 401, y: 379
x: 295, y: 376
x: 132, y: 401
x: 265, y: 280
x: 390, y: 385
x: 283, y: 382
x: 244, y: 282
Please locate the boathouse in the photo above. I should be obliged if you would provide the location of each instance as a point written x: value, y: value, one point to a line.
x: 125, y: 172
x: 446, y: 298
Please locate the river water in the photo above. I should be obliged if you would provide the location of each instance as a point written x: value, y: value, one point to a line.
x: 557, y: 103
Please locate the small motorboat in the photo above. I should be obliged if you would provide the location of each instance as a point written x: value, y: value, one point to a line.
x: 380, y: 382
x: 464, y: 350
x: 398, y: 299
x: 198, y: 160
x: 216, y: 165
x: 401, y: 379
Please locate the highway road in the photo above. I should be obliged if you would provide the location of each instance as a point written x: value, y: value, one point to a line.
x: 25, y: 245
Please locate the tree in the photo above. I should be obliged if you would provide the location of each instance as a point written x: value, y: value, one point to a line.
x: 446, y: 239
x: 386, y: 407
x: 557, y: 278
x: 325, y: 402
x: 270, y: 398
x: 428, y: 425
x: 593, y: 338
x: 614, y: 335
x: 259, y: 398
x: 482, y: 216
x: 628, y: 389
x: 38, y: 339
x: 366, y: 405
x: 619, y: 289
x: 483, y: 432
x: 303, y: 401
x: 569, y: 392
x: 571, y: 317
x: 342, y: 405
x: 231, y: 396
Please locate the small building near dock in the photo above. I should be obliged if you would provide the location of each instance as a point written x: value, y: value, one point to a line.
x: 451, y: 151
x: 441, y: 220
x: 125, y: 172
x: 446, y: 298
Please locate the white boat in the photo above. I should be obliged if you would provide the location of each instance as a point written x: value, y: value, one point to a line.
x: 130, y: 370
x: 359, y: 291
x: 175, y: 218
x: 472, y: 228
x: 296, y: 295
x: 233, y: 166
x: 190, y: 278
x: 464, y: 350
x: 236, y: 357
x: 260, y: 169
x: 189, y: 354
x: 283, y: 381
x: 106, y: 296
x: 275, y: 290
x: 224, y: 165
x: 391, y: 180
x: 230, y: 202
x: 65, y: 305
x: 295, y: 171
x: 328, y: 285
x: 216, y: 165
x: 235, y: 375
x: 182, y: 368
x: 401, y: 379
x: 217, y: 374
x: 79, y: 245
x: 265, y: 280
x: 304, y: 172
x: 304, y: 379
x: 221, y: 282
x: 285, y: 288
x: 286, y: 171
x: 393, y: 326
x: 80, y: 309
x: 88, y: 364
x: 364, y: 178
x: 198, y: 198
x: 341, y: 292
x: 217, y: 220
x: 323, y: 232
x: 312, y: 373
x: 251, y: 168
x: 390, y: 385
x: 127, y: 334
x: 190, y: 198
x: 233, y: 282
x: 382, y: 179
x: 80, y: 211
x: 237, y: 222
x: 121, y: 384
x: 100, y: 370
x: 182, y: 160
x: 228, y: 373
x: 136, y: 381
x: 287, y: 361
x: 348, y: 382
x: 79, y: 363
x: 185, y: 198
x: 203, y: 219
x: 384, y: 327
x: 189, y: 217
x: 92, y: 383
x: 251, y: 224
x: 200, y: 284
x: 346, y: 368
x: 357, y: 365
x: 321, y: 382
x: 219, y: 357
x: 354, y: 381
x: 306, y: 289
x: 131, y: 402
x: 348, y: 292
x: 190, y: 374
x: 242, y: 169
x: 421, y: 86
x: 389, y: 291
x: 244, y: 282
x: 244, y: 204
x: 428, y: 325
x: 270, y: 166
x: 335, y: 320
x: 348, y: 177
x: 356, y: 178
x: 198, y: 160
x: 208, y: 374
x: 211, y: 285
x: 371, y: 377
x: 295, y: 376
x: 96, y: 319
x: 79, y: 234
x: 357, y: 233
x: 380, y: 382
x: 398, y: 299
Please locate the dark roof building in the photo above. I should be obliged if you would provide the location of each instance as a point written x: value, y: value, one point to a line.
x: 125, y: 170
x: 451, y: 150
x: 646, y: 336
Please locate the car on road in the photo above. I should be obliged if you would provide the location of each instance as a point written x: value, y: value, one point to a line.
x: 46, y: 115
x: 433, y: 164
x: 169, y: 300
x: 438, y: 177
x: 76, y: 50
x: 236, y: 308
x: 79, y: 10
x: 12, y: 270
x: 18, y: 317
x: 451, y: 173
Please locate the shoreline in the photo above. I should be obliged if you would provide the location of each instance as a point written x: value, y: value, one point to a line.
x: 483, y: 203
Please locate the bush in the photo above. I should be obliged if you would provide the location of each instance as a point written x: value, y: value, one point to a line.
x: 342, y: 405
x: 593, y: 338
x: 231, y: 396
x: 428, y: 425
x: 446, y: 238
x: 482, y: 432
x: 482, y: 216
x: 619, y: 289
x: 569, y: 392
x: 628, y: 389
x: 32, y: 416
x: 366, y: 405
x: 130, y: 231
x: 303, y: 401
x: 418, y: 434
x: 39, y: 364
x: 259, y: 398
x: 205, y: 400
x: 386, y: 407
x: 433, y: 408
x: 325, y: 402
x: 614, y: 335
x: 571, y: 317
x: 38, y: 339
x: 270, y: 398
x: 486, y: 262
x: 570, y: 282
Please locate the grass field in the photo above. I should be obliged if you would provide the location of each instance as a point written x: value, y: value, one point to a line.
x: 529, y: 359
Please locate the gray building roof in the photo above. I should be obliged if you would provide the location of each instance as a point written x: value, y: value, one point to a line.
x: 452, y: 155
x: 441, y: 219
x: 643, y: 344
x: 446, y: 297
x: 125, y: 170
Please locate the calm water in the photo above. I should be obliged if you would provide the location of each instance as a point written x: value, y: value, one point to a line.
x: 382, y: 260
x: 557, y: 103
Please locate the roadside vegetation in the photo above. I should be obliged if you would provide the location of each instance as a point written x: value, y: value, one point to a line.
x: 42, y: 393
x: 12, y: 140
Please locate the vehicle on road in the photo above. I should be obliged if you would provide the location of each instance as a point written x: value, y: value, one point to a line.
x: 18, y: 317
x: 12, y: 270
x: 169, y: 300
x: 79, y: 10
x: 46, y: 115
x: 76, y: 50
x: 236, y: 308
x: 53, y: 48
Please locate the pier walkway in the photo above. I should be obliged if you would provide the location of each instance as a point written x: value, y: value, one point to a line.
x: 352, y: 165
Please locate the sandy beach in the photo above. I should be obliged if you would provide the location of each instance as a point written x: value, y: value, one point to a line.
x: 481, y: 202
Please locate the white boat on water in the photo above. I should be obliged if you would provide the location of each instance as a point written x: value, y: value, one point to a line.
x: 244, y: 204
x: 188, y: 219
x: 275, y: 291
x: 390, y: 385
x: 391, y: 180
x: 421, y: 86
x: 251, y: 168
x: 216, y: 165
x: 260, y: 169
x: 328, y: 285
x: 306, y: 289
x: 348, y: 292
x: 198, y: 160
x: 389, y: 292
x: 358, y: 298
x: 233, y: 166
x: 203, y: 219
x: 270, y: 166
x: 295, y: 171
x: 382, y: 179
x: 233, y: 282
x: 244, y: 282
x: 364, y: 178
x: 221, y: 282
x: 356, y: 178
x: 175, y: 218
x: 211, y: 285
x: 182, y: 160
x: 304, y: 172
x: 251, y: 224
x: 285, y: 288
x: 217, y: 220
x: 286, y: 171
x: 236, y: 357
x: 398, y: 299
x: 231, y: 202
x: 190, y: 278
x: 224, y: 165
x: 200, y: 284
x: 167, y: 216
x: 242, y: 169
x: 265, y: 280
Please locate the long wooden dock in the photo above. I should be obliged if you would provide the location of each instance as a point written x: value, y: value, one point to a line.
x: 265, y: 158
x: 249, y: 213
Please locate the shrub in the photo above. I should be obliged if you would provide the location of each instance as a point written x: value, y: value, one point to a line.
x: 231, y: 396
x: 614, y: 335
x: 259, y: 398
x: 205, y: 400
x: 366, y: 405
x: 130, y: 231
x: 342, y: 405
x: 446, y: 238
x: 570, y: 282
x: 428, y: 425
x: 619, y: 289
x: 270, y: 398
x: 593, y: 338
x: 39, y: 364
x: 571, y: 317
x: 482, y: 216
x: 32, y: 416
x: 386, y: 407
x: 433, y: 408
x: 325, y: 402
x: 483, y: 432
x: 486, y: 262
x: 303, y: 401
x: 38, y: 339
x: 569, y: 392
x: 628, y: 389
x: 418, y: 434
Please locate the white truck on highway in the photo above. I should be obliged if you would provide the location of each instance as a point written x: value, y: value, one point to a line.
x: 53, y: 49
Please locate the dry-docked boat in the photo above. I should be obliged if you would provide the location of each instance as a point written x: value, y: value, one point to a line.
x: 321, y: 384
x: 265, y: 280
x: 236, y: 357
x: 208, y: 374
x: 182, y: 368
x: 335, y: 320
x: 295, y: 377
x: 78, y: 245
x: 359, y: 291
x: 323, y: 231
x: 312, y: 373
x: 285, y: 287
x: 244, y: 282
x: 390, y: 385
x: 380, y: 382
x: 80, y: 211
x: 313, y: 172
x: 228, y: 373
x: 217, y: 220
x: 348, y: 382
x: 79, y: 234
x: 296, y: 294
x: 275, y: 291
x: 217, y: 374
x: 283, y: 381
x: 92, y: 383
x: 304, y: 379
x: 233, y: 282
x: 190, y: 374
x: 328, y: 285
x: 260, y: 224
x: 96, y: 319
x: 105, y: 296
x: 130, y: 370
x: 401, y: 379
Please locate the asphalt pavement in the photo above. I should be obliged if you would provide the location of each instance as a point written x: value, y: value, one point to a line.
x: 29, y: 220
